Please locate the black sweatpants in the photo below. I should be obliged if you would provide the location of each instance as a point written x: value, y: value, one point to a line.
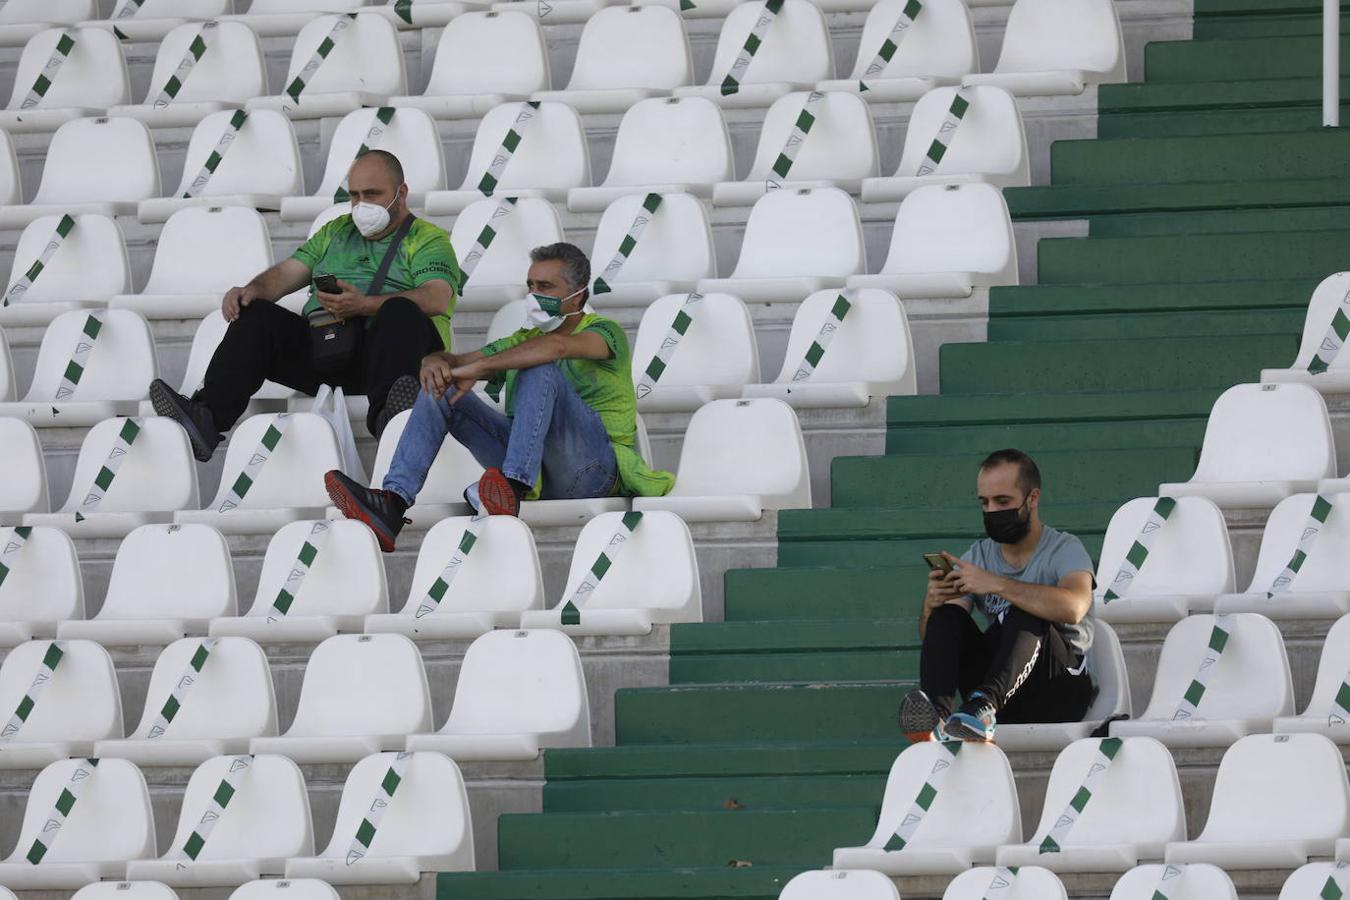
x: 1022, y: 664
x: 269, y: 342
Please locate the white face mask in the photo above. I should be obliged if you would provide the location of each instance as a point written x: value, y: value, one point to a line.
x: 371, y: 218
x: 545, y: 312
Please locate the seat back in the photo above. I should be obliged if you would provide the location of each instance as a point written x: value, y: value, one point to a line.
x: 230, y: 71
x: 551, y: 154
x: 802, y: 232
x: 796, y: 46
x: 657, y: 569
x: 231, y: 695
x: 103, y: 160
x: 501, y: 572
x: 344, y: 578
x: 277, y: 7
x: 1267, y: 432
x: 11, y: 188
x: 842, y: 143
x: 169, y: 9
x: 363, y: 684
x: 954, y: 228
x: 171, y: 572
x: 1191, y: 554
x: 1251, y: 679
x: 1332, y: 671
x: 410, y: 135
x: 745, y: 447
x: 120, y: 366
x: 718, y: 348
x: 1312, y: 879
x: 1279, y: 787
x: 671, y: 140
x: 210, y: 332
x: 365, y: 57
x: 157, y: 474
x: 285, y: 889
x: 676, y: 245
x: 24, y: 487
x: 25, y: 12
x: 293, y: 476
x: 490, y: 52
x: 1025, y: 883
x: 1106, y: 663
x: 840, y: 884
x: 267, y: 816
x: 111, y: 821
x: 1323, y: 568
x: 7, y: 379
x: 519, y: 682
x: 1196, y: 881
x: 632, y: 47
x: 990, y: 140
x: 940, y: 43
x: 1329, y: 296
x: 94, y: 73
x: 91, y: 263
x: 263, y: 159
x: 41, y: 581
x: 209, y: 249
x: 533, y: 223
x: 453, y: 469
x: 872, y: 343
x: 125, y: 890
x: 79, y: 702
x: 505, y: 321
x: 1045, y: 35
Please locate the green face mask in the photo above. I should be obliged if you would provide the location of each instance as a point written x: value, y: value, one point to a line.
x: 545, y: 312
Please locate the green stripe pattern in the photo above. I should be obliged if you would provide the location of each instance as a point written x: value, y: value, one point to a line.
x: 43, y: 677
x: 50, y: 69
x: 1338, y: 883
x: 65, y: 802
x: 243, y: 482
x: 502, y: 158
x: 213, y: 161
x: 1053, y: 842
x: 128, y: 9
x: 505, y: 206
x: 1189, y: 707
x: 295, y: 578
x: 79, y: 357
x: 403, y: 9
x: 467, y: 541
x: 956, y: 114
x: 1334, y: 339
x: 174, y: 703
x: 669, y: 344
x: 196, y: 50
x: 571, y: 609
x: 215, y: 810
x: 13, y: 547
x: 1139, y: 550
x: 20, y: 287
x: 1168, y: 882
x: 126, y: 436
x: 816, y: 352
x: 800, y: 129
x: 899, y: 31
x: 378, y: 806
x: 650, y: 204
x: 306, y: 75
x: 1317, y: 517
x: 918, y: 810
x: 383, y: 116
x: 731, y: 83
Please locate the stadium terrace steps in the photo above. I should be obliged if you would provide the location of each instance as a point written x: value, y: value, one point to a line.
x: 1183, y: 258
x: 855, y: 650
x: 785, y: 594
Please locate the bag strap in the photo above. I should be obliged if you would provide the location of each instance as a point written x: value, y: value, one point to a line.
x: 378, y: 281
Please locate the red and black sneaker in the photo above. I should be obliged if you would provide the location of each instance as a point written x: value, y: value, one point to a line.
x: 499, y: 495
x: 382, y: 511
x: 920, y: 719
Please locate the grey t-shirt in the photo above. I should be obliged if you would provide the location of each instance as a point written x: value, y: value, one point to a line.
x: 1058, y: 554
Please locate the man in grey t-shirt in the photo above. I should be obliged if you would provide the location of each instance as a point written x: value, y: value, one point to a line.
x: 1033, y: 584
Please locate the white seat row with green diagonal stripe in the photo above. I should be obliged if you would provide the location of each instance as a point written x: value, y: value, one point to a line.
x: 260, y: 889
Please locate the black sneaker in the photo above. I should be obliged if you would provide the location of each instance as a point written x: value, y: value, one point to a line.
x: 920, y: 719
x: 382, y: 511
x: 193, y: 415
x: 974, y: 721
x: 402, y: 395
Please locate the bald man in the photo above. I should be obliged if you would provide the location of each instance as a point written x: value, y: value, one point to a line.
x: 405, y: 320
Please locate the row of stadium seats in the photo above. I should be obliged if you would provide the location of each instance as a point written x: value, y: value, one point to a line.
x: 261, y: 889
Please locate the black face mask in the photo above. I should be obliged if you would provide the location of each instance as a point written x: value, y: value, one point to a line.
x: 1008, y: 526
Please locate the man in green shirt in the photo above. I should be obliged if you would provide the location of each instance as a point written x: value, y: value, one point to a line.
x: 570, y: 427
x: 408, y: 317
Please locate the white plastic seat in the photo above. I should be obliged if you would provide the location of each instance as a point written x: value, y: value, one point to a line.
x: 1196, y: 881
x: 839, y: 151
x: 1327, y: 299
x: 103, y: 165
x: 1325, y: 713
x: 157, y: 476
x: 939, y: 48
x: 115, y: 377
x: 675, y: 250
x: 839, y: 884
x: 483, y: 59
x: 870, y: 353
x: 261, y: 167
x: 626, y: 54
x: 716, y: 357
x: 1191, y: 561
x: 277, y: 18
x: 24, y: 487
x: 11, y: 189
x: 361, y: 694
x: 364, y: 68
x: 665, y: 145
x: 1278, y: 799
x: 518, y: 692
x: 343, y: 583
x: 154, y: 20
x: 1263, y: 442
x: 1135, y: 809
x: 230, y: 71
x: 500, y: 273
x: 230, y: 701
x: 974, y: 811
x: 740, y: 457
x: 87, y: 269
x: 7, y: 379
x: 22, y: 19
x: 266, y: 821
x: 1248, y: 687
x: 551, y: 157
x: 40, y: 585
x: 77, y: 705
x: 289, y: 486
x: 796, y: 242
x: 948, y: 241
x: 271, y: 397
x: 498, y: 579
x: 425, y: 827
x: 654, y: 580
x: 1311, y: 880
x: 124, y: 890
x: 795, y: 54
x: 1058, y: 47
x: 989, y: 145
x: 1027, y: 883
x: 92, y: 78
x: 286, y: 889
x: 442, y: 495
x: 110, y: 824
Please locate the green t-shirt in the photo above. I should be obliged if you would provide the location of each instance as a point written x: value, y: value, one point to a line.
x: 425, y: 255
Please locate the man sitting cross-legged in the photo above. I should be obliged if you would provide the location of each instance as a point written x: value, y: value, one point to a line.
x: 570, y: 427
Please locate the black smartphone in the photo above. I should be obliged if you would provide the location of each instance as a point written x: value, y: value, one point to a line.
x: 937, y: 562
x: 327, y: 284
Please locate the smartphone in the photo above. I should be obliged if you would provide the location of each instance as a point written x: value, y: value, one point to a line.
x: 327, y: 284
x: 937, y: 562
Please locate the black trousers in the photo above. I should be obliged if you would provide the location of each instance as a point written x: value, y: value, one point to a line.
x: 1021, y: 664
x: 268, y: 342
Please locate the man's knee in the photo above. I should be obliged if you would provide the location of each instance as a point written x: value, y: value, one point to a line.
x: 544, y: 375
x: 947, y: 619
x: 1021, y: 620
x: 400, y: 311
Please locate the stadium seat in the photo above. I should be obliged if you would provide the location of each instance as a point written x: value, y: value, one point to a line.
x: 1326, y: 712
x: 202, y: 252
x: 494, y: 581
x: 109, y: 823
x: 125, y: 890
x: 261, y: 817
x: 868, y: 353
x: 654, y: 580
x: 796, y: 242
x: 286, y: 889
x: 1188, y: 562
x: 167, y: 581
x: 938, y: 48
x: 1218, y: 678
x: 130, y: 472
x: 1027, y: 883
x: 948, y: 241
x: 205, y: 698
x: 262, y: 165
x: 104, y: 165
x: 555, y: 12
x: 11, y: 188
x: 793, y: 54
x: 451, y: 472
x: 282, y: 18
x: 22, y: 19
x: 409, y: 134
x: 1263, y: 442
x: 78, y: 381
x: 740, y: 457
x: 838, y: 149
x: 971, y: 810
x: 58, y: 697
x: 706, y: 9
x: 1312, y: 880
x: 1197, y: 881
x: 518, y: 692
x: 1133, y: 808
x: 271, y: 397
x: 7, y: 379
x: 24, y: 487
x: 260, y: 492
x: 550, y: 157
x: 229, y: 71
x: 154, y: 20
x: 839, y: 884
x: 715, y: 357
x: 1333, y: 375
x: 483, y: 59
x: 1058, y: 47
x: 363, y: 67
x: 40, y: 583
x: 423, y: 826
x: 1278, y: 799
x: 87, y: 268
x: 318, y: 578
x: 673, y: 251
x: 989, y: 144
x: 498, y: 271
x: 91, y: 77
x: 665, y: 145
x: 361, y: 694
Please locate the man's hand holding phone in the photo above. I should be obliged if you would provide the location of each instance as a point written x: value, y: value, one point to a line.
x: 941, y: 581
x: 340, y: 298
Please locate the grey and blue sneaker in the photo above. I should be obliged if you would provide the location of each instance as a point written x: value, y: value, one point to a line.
x: 974, y: 721
x: 920, y: 719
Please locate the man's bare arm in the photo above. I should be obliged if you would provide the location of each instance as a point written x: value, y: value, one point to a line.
x: 270, y: 284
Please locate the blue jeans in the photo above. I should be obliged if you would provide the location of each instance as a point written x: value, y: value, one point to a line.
x: 553, y: 432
